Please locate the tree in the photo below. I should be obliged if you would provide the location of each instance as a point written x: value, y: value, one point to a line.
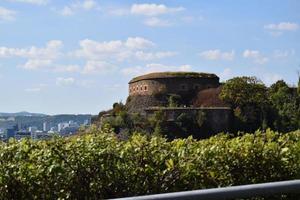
x: 174, y: 100
x: 244, y: 90
x: 158, y: 123
x: 285, y: 104
x: 248, y: 98
x: 118, y: 107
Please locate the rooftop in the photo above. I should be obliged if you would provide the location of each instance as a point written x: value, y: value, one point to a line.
x: 159, y: 75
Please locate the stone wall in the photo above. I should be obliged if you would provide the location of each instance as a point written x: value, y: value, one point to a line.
x: 217, y: 119
x: 171, y: 85
x: 138, y: 103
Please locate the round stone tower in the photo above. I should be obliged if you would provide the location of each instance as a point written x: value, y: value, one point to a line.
x: 171, y: 82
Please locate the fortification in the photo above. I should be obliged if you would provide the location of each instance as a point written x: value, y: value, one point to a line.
x: 172, y: 83
x: 153, y: 92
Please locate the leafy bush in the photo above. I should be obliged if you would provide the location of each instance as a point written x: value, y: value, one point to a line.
x: 99, y: 165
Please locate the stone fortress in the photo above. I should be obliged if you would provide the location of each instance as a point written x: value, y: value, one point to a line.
x: 172, y: 83
x: 198, y: 92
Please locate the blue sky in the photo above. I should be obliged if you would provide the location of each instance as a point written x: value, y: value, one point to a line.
x: 77, y: 56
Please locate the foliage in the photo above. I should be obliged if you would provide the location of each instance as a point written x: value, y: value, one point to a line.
x: 256, y: 106
x: 174, y: 100
x: 98, y: 165
x: 241, y: 91
x: 285, y: 106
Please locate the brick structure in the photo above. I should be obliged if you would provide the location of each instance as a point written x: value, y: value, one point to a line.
x: 172, y: 83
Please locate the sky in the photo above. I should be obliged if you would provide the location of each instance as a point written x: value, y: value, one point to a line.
x: 61, y: 56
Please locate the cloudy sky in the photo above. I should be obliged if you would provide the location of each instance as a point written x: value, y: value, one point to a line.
x: 77, y: 56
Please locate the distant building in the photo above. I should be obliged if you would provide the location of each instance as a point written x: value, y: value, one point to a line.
x: 41, y: 135
x: 11, y: 132
x: 86, y: 122
x: 62, y: 126
x: 22, y: 134
x: 69, y: 130
x: 53, y: 129
x: 46, y: 127
x: 32, y: 129
x: 11, y: 119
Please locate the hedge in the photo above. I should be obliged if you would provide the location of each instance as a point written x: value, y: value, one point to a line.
x: 98, y: 165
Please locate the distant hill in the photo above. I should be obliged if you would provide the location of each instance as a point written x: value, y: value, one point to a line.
x: 26, y: 119
x: 23, y: 113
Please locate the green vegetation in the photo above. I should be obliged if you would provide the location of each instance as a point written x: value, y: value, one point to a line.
x: 99, y: 165
x: 256, y: 106
x: 182, y: 126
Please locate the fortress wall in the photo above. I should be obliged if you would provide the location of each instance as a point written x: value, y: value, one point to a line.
x: 171, y: 85
x: 216, y: 119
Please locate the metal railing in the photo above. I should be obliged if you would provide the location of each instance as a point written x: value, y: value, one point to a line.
x: 243, y: 191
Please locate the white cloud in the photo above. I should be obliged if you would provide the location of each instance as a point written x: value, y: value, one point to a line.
x: 217, y: 54
x: 88, y: 4
x: 33, y: 64
x: 65, y: 81
x: 35, y: 2
x: 256, y: 56
x: 280, y: 54
x: 102, y: 57
x: 270, y: 78
x: 138, y: 43
x: 67, y: 11
x: 32, y: 90
x: 66, y: 68
x: 102, y: 67
x: 282, y: 26
x: 51, y: 51
x: 37, y: 57
x: 151, y: 12
x: 277, y: 29
x: 7, y: 14
x: 226, y: 74
x: 153, y: 9
x: 157, y: 22
x: 85, y: 5
x: 153, y: 67
x: 116, y: 49
x: 36, y: 89
x: 154, y: 56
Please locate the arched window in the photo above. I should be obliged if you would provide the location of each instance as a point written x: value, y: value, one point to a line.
x: 146, y: 88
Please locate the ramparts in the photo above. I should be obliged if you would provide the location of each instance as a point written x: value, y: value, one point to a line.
x: 172, y: 83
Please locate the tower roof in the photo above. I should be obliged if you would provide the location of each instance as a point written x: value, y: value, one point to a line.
x: 163, y: 75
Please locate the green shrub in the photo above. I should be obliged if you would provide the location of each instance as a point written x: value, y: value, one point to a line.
x: 99, y: 165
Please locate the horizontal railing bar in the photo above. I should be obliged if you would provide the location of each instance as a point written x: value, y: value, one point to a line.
x: 243, y: 191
